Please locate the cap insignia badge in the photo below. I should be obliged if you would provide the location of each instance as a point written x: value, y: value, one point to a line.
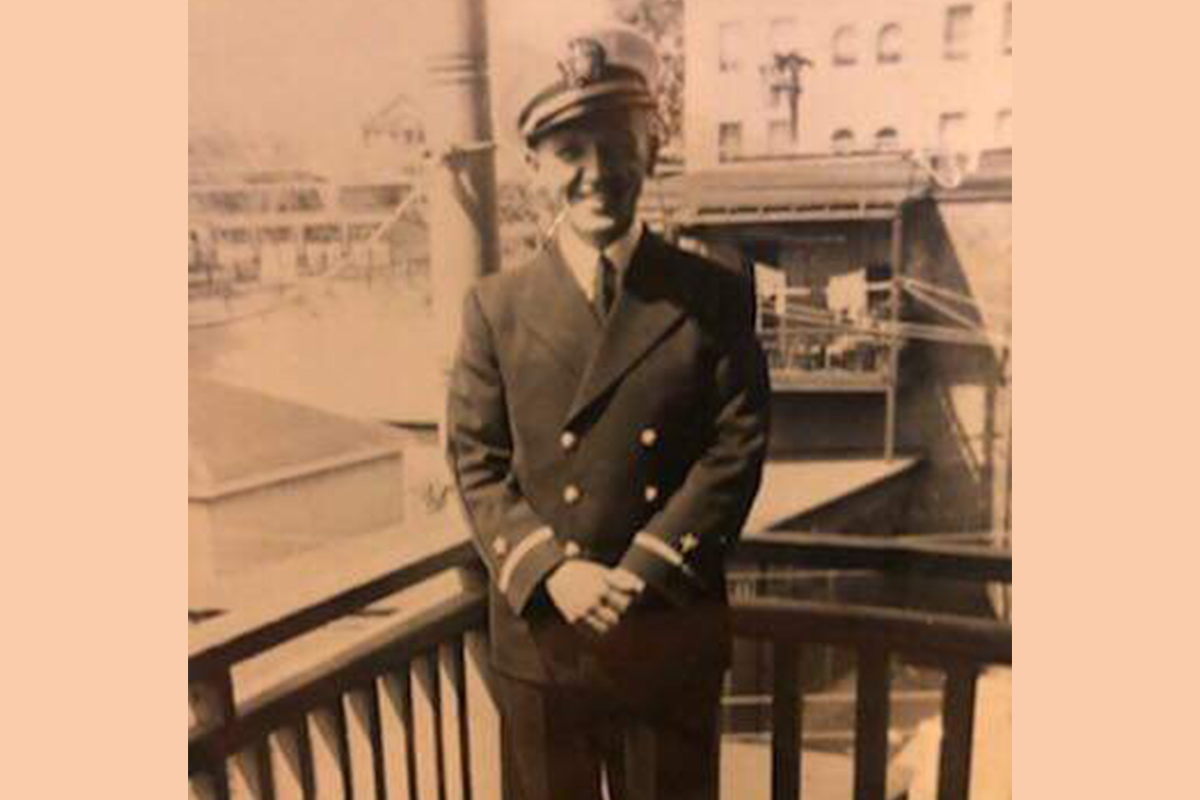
x: 584, y: 63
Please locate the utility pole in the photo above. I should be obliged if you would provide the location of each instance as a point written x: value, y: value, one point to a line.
x: 1002, y: 475
x: 461, y: 180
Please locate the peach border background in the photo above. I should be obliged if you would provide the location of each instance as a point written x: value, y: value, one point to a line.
x: 95, y: 561
x: 94, y: 569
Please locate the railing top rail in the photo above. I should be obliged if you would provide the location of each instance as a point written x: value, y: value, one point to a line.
x: 304, y: 593
x: 917, y: 633
x: 909, y: 555
x: 323, y: 682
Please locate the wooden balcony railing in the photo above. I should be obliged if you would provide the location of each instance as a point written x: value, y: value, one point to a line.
x: 961, y: 646
x: 356, y: 683
x: 371, y: 681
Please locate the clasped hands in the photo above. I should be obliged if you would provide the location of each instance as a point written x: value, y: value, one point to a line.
x: 593, y: 594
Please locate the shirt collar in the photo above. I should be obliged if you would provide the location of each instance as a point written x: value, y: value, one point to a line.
x: 582, y: 257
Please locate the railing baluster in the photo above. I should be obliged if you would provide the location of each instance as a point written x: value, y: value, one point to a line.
x: 378, y: 753
x: 958, y: 724
x: 483, y: 726
x: 288, y: 773
x: 325, y: 741
x: 247, y: 776
x: 395, y: 733
x: 453, y: 717
x: 210, y: 703
x: 871, y: 725
x: 206, y: 787
x: 285, y: 761
x: 786, y: 724
x: 425, y: 728
x: 358, y: 707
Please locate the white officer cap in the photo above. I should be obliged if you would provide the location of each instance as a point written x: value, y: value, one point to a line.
x: 575, y: 70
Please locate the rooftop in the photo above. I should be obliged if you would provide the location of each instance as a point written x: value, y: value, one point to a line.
x: 815, y: 188
x: 239, y: 437
x: 798, y: 189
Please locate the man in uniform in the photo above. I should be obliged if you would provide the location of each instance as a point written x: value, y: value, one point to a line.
x: 606, y: 426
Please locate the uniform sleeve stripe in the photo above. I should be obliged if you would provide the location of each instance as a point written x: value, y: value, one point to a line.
x: 659, y: 548
x: 522, y: 549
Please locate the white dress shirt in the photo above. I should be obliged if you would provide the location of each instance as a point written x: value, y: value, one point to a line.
x: 583, y: 259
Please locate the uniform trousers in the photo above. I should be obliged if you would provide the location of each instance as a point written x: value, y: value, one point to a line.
x: 559, y: 740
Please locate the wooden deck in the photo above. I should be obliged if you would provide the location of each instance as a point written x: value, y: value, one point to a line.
x: 746, y: 773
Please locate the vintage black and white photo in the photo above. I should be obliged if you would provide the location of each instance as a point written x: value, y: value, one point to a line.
x: 600, y: 399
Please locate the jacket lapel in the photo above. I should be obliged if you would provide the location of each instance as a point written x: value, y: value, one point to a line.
x: 555, y: 310
x: 645, y: 311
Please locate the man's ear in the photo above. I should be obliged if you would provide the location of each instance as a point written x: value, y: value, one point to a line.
x: 538, y: 178
x: 531, y: 160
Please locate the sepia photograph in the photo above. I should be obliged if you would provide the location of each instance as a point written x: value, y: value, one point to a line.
x: 600, y: 399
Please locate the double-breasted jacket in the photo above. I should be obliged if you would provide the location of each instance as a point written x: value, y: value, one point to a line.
x: 638, y: 441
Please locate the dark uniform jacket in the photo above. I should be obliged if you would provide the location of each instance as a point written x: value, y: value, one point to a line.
x: 637, y: 442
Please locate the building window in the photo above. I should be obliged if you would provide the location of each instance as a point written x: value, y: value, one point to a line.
x: 958, y: 31
x: 886, y: 139
x: 845, y: 45
x: 730, y: 46
x: 952, y: 132
x: 729, y: 140
x: 1006, y: 41
x: 888, y: 46
x: 1004, y: 127
x: 843, y: 141
x: 779, y: 137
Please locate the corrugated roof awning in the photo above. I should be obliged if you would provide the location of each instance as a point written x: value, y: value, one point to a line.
x: 790, y: 191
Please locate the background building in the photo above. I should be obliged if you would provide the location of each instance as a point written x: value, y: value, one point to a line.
x: 858, y: 156
x: 872, y: 75
x: 262, y: 211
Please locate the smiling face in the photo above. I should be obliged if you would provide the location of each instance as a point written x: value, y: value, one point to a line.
x: 596, y: 166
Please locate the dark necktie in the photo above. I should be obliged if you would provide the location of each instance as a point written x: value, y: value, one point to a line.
x: 606, y: 287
